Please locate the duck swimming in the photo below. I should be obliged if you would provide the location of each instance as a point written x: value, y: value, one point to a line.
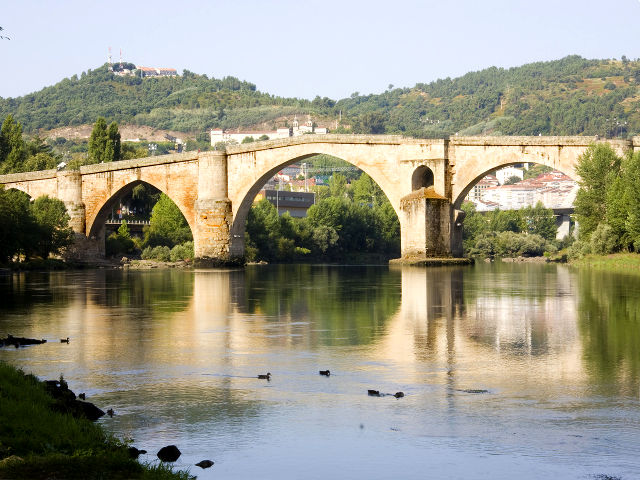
x: 265, y: 377
x: 326, y: 373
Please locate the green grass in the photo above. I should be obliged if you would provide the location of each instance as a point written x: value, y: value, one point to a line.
x: 56, y: 445
x: 627, y: 262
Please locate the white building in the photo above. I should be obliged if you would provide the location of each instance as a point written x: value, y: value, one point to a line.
x: 219, y: 135
x: 553, y: 189
x: 506, y: 173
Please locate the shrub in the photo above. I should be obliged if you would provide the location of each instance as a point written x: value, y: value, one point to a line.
x: 182, y: 252
x: 603, y: 240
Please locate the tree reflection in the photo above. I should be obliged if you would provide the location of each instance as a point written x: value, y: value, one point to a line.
x: 343, y: 305
x: 609, y: 323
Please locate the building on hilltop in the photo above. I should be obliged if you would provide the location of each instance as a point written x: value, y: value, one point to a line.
x: 156, y: 72
x: 219, y: 135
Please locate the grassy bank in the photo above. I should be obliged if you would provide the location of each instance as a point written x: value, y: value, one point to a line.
x: 623, y: 262
x: 37, y: 442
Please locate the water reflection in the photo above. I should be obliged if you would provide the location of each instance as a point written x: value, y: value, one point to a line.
x: 176, y: 353
x: 609, y: 325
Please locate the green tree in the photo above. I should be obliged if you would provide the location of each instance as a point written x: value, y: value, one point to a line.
x: 17, y: 223
x: 98, y: 141
x: 338, y: 186
x: 167, y: 226
x: 52, y: 221
x: 539, y: 220
x: 104, y: 142
x: 632, y: 199
x: 512, y: 180
x: 113, y: 152
x: 120, y: 241
x: 617, y: 209
x: 367, y: 192
x: 13, y: 150
x: 597, y: 168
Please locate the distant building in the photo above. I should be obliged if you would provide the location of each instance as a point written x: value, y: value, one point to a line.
x: 554, y: 189
x: 296, y: 203
x: 477, y: 191
x: 506, y: 173
x: 156, y: 72
x: 218, y: 135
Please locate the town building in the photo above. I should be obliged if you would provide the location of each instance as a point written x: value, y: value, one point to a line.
x: 296, y: 203
x: 477, y: 191
x: 219, y: 135
x: 506, y: 173
x: 554, y: 189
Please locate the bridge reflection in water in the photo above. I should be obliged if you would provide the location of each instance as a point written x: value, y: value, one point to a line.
x: 176, y: 354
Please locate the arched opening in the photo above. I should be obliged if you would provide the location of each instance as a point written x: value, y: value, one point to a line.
x: 139, y: 220
x: 532, y: 201
x: 422, y: 178
x: 316, y: 207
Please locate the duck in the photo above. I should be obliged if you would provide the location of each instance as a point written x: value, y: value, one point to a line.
x: 110, y: 412
x: 326, y: 373
x: 82, y: 396
x: 267, y: 376
x: 398, y: 394
x: 64, y: 340
x: 373, y: 393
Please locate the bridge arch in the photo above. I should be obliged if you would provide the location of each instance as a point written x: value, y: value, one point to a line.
x: 477, y: 167
x: 96, y: 224
x: 242, y: 198
x: 422, y: 178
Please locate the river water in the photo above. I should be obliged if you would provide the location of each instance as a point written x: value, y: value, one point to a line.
x: 509, y: 371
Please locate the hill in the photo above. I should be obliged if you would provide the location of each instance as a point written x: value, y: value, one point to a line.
x: 570, y: 96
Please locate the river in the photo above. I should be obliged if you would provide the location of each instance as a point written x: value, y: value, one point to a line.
x: 508, y: 370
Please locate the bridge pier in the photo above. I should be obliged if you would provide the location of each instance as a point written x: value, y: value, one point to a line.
x: 425, y: 225
x: 69, y: 190
x: 213, y: 213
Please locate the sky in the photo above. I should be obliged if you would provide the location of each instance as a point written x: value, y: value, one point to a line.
x: 288, y: 48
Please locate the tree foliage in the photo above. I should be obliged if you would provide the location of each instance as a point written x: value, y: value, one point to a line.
x: 31, y: 229
x: 350, y: 221
x: 529, y: 231
x: 608, y: 201
x: 570, y: 96
x: 104, y: 143
x: 168, y: 226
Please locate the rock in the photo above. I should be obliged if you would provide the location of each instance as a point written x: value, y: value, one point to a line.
x: 204, y: 464
x: 21, y: 341
x: 89, y: 410
x: 373, y: 393
x: 398, y: 394
x: 134, y: 452
x: 170, y: 453
x: 110, y: 412
x: 11, y: 460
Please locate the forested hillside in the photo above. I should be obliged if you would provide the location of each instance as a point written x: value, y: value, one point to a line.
x: 571, y: 96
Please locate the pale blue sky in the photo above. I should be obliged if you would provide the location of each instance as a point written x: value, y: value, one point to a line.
x: 307, y: 48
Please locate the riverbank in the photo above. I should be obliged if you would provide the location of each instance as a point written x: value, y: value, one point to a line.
x: 38, y: 442
x: 622, y: 262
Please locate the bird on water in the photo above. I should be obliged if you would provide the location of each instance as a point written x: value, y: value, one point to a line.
x: 326, y: 373
x: 267, y: 376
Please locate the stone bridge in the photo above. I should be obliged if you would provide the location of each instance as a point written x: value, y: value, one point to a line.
x: 425, y: 181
